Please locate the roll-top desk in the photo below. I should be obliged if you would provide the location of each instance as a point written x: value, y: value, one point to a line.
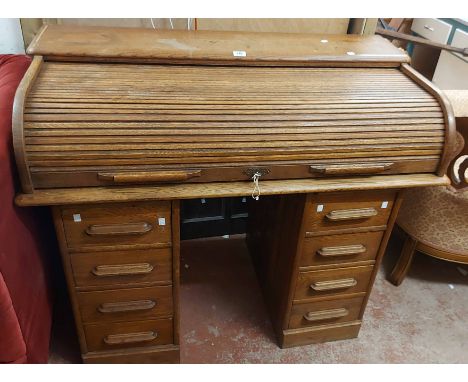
x: 113, y: 127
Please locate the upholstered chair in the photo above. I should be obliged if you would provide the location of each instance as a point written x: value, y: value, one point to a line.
x: 435, y: 219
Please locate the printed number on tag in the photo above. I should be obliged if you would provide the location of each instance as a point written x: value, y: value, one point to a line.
x: 239, y: 53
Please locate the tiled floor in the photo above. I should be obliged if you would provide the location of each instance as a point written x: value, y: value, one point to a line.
x: 224, y: 319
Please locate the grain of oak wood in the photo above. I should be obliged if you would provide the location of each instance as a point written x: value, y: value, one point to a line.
x: 106, y: 112
x: 67, y: 139
x: 221, y: 189
x: 133, y: 44
x: 314, y: 252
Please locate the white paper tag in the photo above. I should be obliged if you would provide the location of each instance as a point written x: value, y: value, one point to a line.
x: 239, y: 53
x: 384, y: 204
x: 319, y: 207
x: 162, y: 221
x: 203, y: 201
x: 244, y: 199
x: 76, y: 218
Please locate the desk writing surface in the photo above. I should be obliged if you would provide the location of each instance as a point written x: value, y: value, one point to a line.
x: 74, y: 42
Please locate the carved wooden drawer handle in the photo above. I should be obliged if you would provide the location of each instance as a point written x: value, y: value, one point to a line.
x: 119, y: 339
x: 127, y: 306
x: 358, y: 213
x: 326, y: 314
x: 119, y: 229
x: 345, y: 250
x: 122, y: 270
x: 356, y: 168
x: 149, y: 177
x: 333, y: 284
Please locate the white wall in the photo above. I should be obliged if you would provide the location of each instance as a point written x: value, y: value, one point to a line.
x: 11, y: 38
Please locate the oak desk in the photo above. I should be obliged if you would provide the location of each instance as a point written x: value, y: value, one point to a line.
x: 113, y: 127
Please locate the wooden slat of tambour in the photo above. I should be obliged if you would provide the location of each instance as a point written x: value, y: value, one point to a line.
x: 269, y: 82
x: 185, y: 160
x: 71, y: 68
x: 261, y: 104
x: 254, y: 144
x: 183, y: 128
x: 223, y: 89
x: 220, y: 100
x: 63, y: 71
x: 236, y: 112
x: 206, y: 89
x: 105, y: 128
x: 189, y: 73
x: 220, y: 80
x: 41, y: 106
x: 198, y: 117
x: 50, y: 139
x: 203, y: 89
x: 159, y: 73
x: 201, y: 73
x: 233, y: 99
x: 426, y: 159
x: 330, y: 97
x: 161, y: 156
x: 205, y: 162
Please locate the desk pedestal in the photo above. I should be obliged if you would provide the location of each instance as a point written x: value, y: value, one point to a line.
x: 316, y: 257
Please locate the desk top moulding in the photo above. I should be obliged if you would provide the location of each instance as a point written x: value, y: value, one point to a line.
x: 105, y: 112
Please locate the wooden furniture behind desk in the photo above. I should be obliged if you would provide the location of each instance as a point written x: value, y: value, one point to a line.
x: 112, y: 127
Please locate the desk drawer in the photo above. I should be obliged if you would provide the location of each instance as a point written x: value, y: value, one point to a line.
x: 125, y: 304
x: 110, y: 336
x: 433, y: 29
x: 326, y: 213
x: 325, y: 312
x: 332, y: 282
x: 340, y: 249
x: 122, y: 267
x: 117, y: 224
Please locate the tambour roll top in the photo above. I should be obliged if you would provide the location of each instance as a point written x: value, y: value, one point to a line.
x: 117, y: 106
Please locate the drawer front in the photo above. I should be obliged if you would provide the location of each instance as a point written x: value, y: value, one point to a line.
x: 333, y: 212
x: 432, y: 29
x: 122, y: 267
x: 117, y: 224
x: 325, y: 312
x: 110, y: 336
x: 332, y: 282
x: 125, y: 304
x: 340, y: 249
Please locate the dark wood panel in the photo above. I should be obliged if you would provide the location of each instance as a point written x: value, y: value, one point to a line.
x: 213, y: 217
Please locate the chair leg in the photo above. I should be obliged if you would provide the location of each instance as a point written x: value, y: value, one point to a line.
x: 404, y: 261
